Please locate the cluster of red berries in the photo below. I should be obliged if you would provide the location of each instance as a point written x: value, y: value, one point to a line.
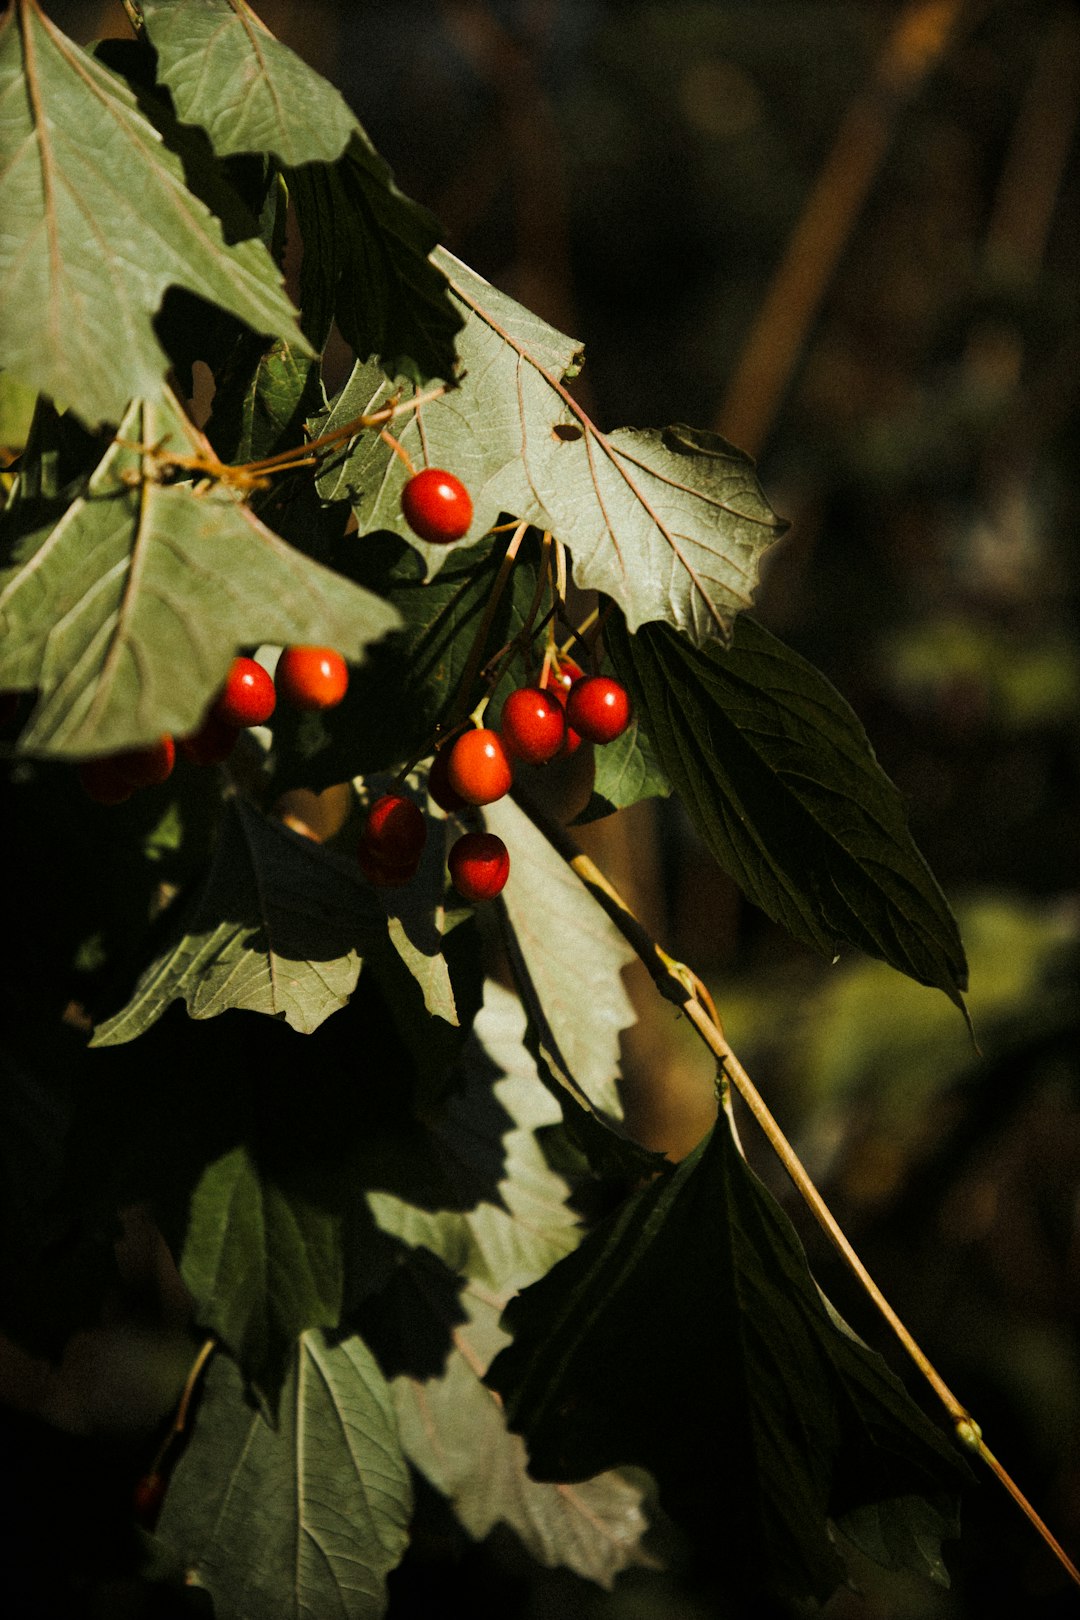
x: 537, y: 723
x: 305, y: 678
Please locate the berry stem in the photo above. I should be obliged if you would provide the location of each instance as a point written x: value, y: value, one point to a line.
x: 679, y: 984
x: 399, y: 450
x: 476, y: 651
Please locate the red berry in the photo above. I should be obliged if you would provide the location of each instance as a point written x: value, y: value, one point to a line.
x: 384, y: 874
x: 146, y: 767
x: 560, y: 680
x: 103, y: 781
x: 478, y: 768
x: 213, y: 742
x: 479, y: 866
x: 598, y: 708
x: 311, y: 677
x: 533, y: 725
x: 248, y: 696
x: 146, y: 1499
x: 395, y: 830
x: 438, y: 783
x: 437, y: 506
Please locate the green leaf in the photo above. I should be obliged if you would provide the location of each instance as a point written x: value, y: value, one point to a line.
x: 261, y: 402
x: 99, y: 220
x: 126, y: 613
x: 278, y: 928
x: 227, y: 72
x: 366, y: 266
x: 262, y: 1259
x: 300, y: 1520
x: 627, y: 771
x: 475, y: 1189
x: 783, y: 786
x: 567, y: 958
x: 453, y: 1430
x: 795, y: 1419
x: 671, y: 524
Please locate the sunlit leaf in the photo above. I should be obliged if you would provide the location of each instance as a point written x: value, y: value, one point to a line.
x: 99, y: 220
x: 300, y: 1520
x: 570, y: 960
x: 227, y: 72
x: 497, y: 1212
x: 670, y: 523
x: 448, y: 1424
x: 278, y: 928
x: 126, y: 613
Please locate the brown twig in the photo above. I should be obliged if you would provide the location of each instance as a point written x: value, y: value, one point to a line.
x: 913, y: 48
x: 679, y: 984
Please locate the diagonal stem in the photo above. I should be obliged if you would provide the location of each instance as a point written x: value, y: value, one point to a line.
x: 679, y: 984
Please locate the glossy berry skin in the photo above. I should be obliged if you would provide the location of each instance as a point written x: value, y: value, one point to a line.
x: 533, y: 725
x: 437, y: 506
x: 103, y: 781
x: 598, y: 708
x: 438, y: 783
x: 385, y: 874
x: 211, y: 744
x: 395, y: 830
x: 478, y: 769
x: 560, y: 681
x: 311, y: 677
x: 479, y: 866
x: 147, y: 767
x: 248, y: 697
x: 146, y: 1499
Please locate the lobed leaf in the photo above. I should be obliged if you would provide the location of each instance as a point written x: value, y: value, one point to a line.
x: 278, y: 928
x: 99, y: 219
x: 671, y: 524
x: 567, y: 958
x: 795, y: 1421
x: 783, y: 786
x: 304, y: 1519
x: 493, y: 1211
x: 226, y: 72
x: 126, y: 613
x: 449, y: 1423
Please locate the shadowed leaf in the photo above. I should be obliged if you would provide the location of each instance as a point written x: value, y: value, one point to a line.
x: 783, y: 786
x: 302, y: 1520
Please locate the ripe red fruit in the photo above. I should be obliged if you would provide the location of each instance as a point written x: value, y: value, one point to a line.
x: 147, y: 1498
x: 438, y: 784
x: 385, y: 874
x: 103, y: 781
x: 146, y: 767
x: 560, y: 680
x: 437, y: 506
x: 479, y: 866
x: 598, y: 708
x: 248, y: 696
x: 311, y: 677
x: 213, y: 742
x: 533, y: 725
x: 395, y: 830
x: 478, y: 768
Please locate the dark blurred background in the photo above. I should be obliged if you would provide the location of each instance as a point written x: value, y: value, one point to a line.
x: 847, y: 237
